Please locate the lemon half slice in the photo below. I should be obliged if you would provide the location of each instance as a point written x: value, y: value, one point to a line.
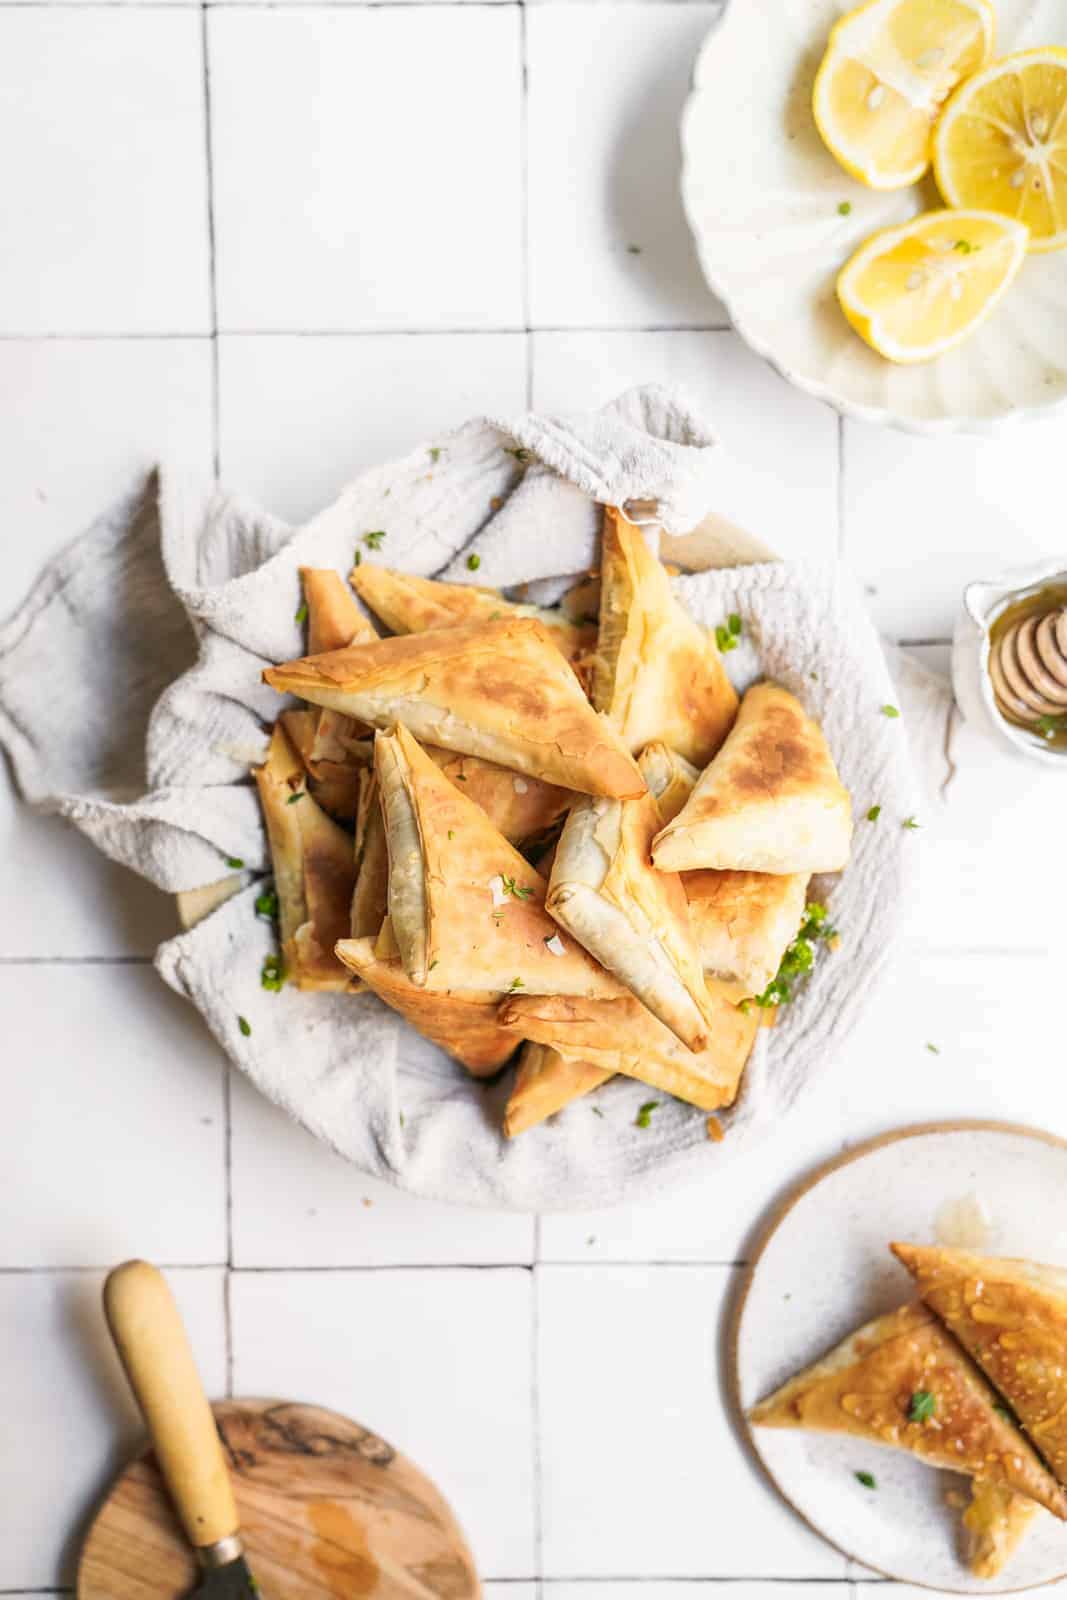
x: 887, y: 71
x: 914, y: 291
x: 1002, y: 144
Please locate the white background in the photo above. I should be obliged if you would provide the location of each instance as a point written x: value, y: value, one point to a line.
x: 289, y: 241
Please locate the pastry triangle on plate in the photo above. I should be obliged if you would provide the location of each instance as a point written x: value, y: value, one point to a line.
x: 546, y: 1082
x: 463, y: 1022
x: 313, y: 870
x: 657, y: 675
x: 1011, y: 1317
x: 742, y: 922
x: 902, y: 1381
x: 407, y: 604
x: 621, y: 1036
x: 633, y: 919
x: 467, y: 910
x: 499, y: 690
x: 771, y: 800
x: 994, y: 1525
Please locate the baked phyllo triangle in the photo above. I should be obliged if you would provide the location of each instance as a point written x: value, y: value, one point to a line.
x: 1011, y: 1316
x: 334, y: 619
x: 407, y: 604
x: 499, y: 690
x: 313, y: 870
x: 994, y: 1525
x: 467, y: 910
x: 771, y: 800
x: 545, y: 1082
x: 903, y: 1381
x: 742, y: 922
x: 633, y: 919
x: 463, y: 1022
x: 621, y: 1036
x: 519, y: 807
x: 656, y: 674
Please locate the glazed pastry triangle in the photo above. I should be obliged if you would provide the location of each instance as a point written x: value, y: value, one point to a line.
x: 1011, y: 1317
x: 656, y: 674
x: 771, y: 800
x: 407, y: 604
x: 872, y: 1384
x: 499, y: 690
x: 467, y: 910
x: 994, y: 1525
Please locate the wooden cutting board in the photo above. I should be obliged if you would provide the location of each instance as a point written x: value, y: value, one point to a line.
x: 328, y: 1510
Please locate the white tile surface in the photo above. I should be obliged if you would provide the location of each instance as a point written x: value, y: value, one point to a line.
x: 636, y: 1436
x: 708, y: 1590
x: 794, y: 507
x: 925, y: 517
x: 301, y: 416
x: 67, y: 1407
x: 104, y: 189
x: 112, y: 1138
x: 81, y: 421
x: 396, y: 202
x: 438, y: 1362
x: 296, y: 1204
x: 606, y: 88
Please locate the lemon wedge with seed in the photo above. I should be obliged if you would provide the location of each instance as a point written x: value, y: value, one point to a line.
x: 888, y: 69
x: 1001, y: 144
x: 914, y: 291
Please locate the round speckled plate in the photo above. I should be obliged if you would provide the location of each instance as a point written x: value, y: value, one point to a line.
x: 824, y: 1268
x: 762, y: 194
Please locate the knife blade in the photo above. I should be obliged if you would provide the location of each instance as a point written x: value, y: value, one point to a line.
x: 152, y: 1345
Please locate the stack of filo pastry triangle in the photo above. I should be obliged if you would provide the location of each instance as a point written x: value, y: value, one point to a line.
x: 971, y: 1377
x: 544, y: 831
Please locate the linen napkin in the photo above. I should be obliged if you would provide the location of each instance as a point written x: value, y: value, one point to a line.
x: 131, y: 703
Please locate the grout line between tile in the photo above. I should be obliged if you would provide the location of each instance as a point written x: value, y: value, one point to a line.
x: 537, y: 1465
x: 524, y: 185
x: 518, y: 330
x: 840, y: 488
x: 213, y: 292
x: 75, y: 961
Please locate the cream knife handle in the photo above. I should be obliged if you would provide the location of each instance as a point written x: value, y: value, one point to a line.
x: 152, y: 1344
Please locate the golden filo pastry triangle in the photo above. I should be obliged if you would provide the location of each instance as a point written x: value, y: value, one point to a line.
x: 463, y: 1022
x: 770, y: 801
x: 334, y: 620
x: 313, y: 870
x: 1011, y: 1317
x: 633, y: 919
x: 545, y: 1082
x: 622, y: 1036
x: 498, y: 690
x: 903, y: 1381
x: 519, y: 807
x: 407, y: 604
x: 995, y: 1522
x: 656, y: 674
x: 467, y: 910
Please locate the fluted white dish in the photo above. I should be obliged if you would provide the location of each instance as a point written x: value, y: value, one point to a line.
x: 762, y: 194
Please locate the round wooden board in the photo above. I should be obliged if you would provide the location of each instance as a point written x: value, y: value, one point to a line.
x: 327, y: 1510
x: 838, y: 1254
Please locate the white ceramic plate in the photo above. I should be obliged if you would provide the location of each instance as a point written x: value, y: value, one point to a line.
x: 825, y: 1268
x: 762, y: 193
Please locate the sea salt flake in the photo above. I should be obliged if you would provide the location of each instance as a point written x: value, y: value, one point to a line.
x: 521, y: 785
x: 555, y: 944
x: 496, y: 889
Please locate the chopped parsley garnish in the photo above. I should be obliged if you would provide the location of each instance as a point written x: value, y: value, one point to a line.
x: 744, y: 1006
x: 516, y: 983
x: 867, y: 1479
x: 910, y: 823
x: 1049, y: 727
x: 874, y: 813
x: 451, y: 833
x: 845, y: 208
x: 633, y: 249
x: 521, y: 455
x: 890, y: 711
x: 436, y: 453
x: 373, y: 540
x: 433, y: 964
x: 933, y: 1049
x: 728, y: 633
x: 509, y: 886
x: 922, y: 1406
x: 357, y: 559
x: 293, y: 798
x: 596, y: 1111
x: 234, y: 863
x: 963, y: 246
x: 302, y: 613
x: 267, y: 904
x: 799, y: 957
x: 474, y: 561
x: 644, y: 1116
x: 272, y: 973
x: 245, y: 1026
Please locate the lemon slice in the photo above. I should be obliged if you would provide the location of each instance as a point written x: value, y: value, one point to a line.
x: 887, y: 71
x: 914, y: 291
x: 1002, y: 144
